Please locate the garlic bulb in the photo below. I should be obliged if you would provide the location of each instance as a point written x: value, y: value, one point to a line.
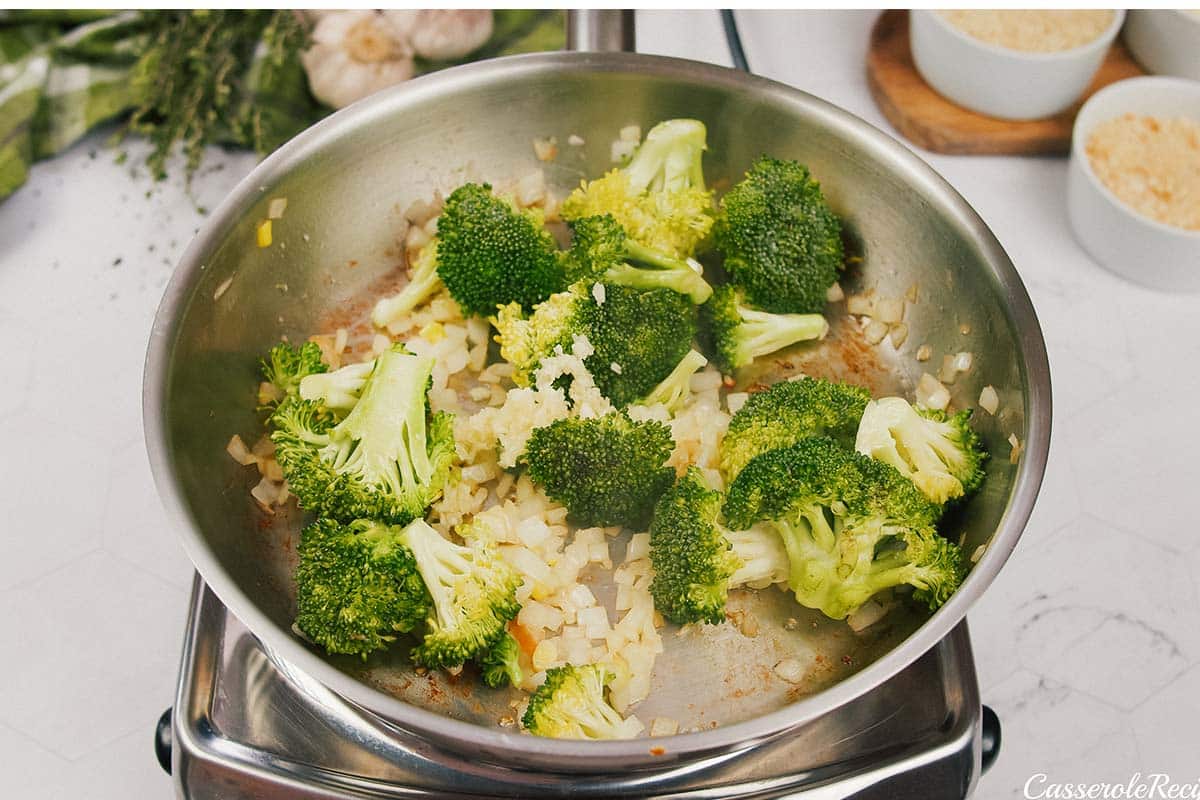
x: 354, y: 54
x: 442, y: 34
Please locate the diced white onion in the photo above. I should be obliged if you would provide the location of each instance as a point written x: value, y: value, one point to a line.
x: 575, y: 140
x: 978, y: 554
x: 639, y: 547
x: 622, y: 149
x: 271, y: 470
x: 875, y: 332
x: 989, y: 401
x: 266, y: 493
x: 860, y: 305
x: 735, y: 400
x: 834, y: 293
x: 866, y: 615
x: 663, y: 726
x: 222, y: 288
x: 899, y: 334
x: 531, y: 189
x: 630, y: 133
x: 545, y: 654
x: 594, y: 621
x: 416, y: 238
x: 890, y: 310
x: 599, y: 293
x: 947, y: 373
x: 581, y: 596
x: 239, y: 452
x: 276, y: 207
x: 1015, y: 454
x: 924, y: 352
x: 790, y: 669
x: 931, y: 393
x: 545, y: 149
x: 536, y: 616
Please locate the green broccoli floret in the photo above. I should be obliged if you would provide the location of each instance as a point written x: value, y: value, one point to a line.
x: 697, y: 560
x: 940, y: 453
x: 736, y: 334
x: 601, y: 250
x: 474, y: 595
x: 501, y: 665
x: 638, y: 337
x: 787, y: 412
x: 386, y: 459
x: 490, y: 253
x: 423, y: 283
x: 659, y: 197
x: 851, y: 526
x: 674, y: 389
x: 606, y: 470
x: 571, y: 705
x: 357, y: 586
x: 782, y: 243
x: 285, y: 366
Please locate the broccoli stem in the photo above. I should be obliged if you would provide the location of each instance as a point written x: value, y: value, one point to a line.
x: 441, y: 565
x: 424, y: 282
x: 762, y: 332
x: 681, y: 278
x: 763, y: 555
x: 676, y: 387
x: 654, y: 258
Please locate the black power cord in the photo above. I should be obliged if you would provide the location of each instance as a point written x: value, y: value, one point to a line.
x: 734, y: 39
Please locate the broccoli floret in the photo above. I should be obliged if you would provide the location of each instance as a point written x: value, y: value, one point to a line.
x: 606, y: 470
x: 490, y: 254
x: 423, y: 283
x: 357, y: 586
x: 571, y: 705
x: 285, y: 366
x: 473, y: 591
x: 638, y: 337
x: 697, y: 560
x: 940, y: 453
x: 851, y: 526
x: 601, y: 250
x: 676, y: 387
x: 386, y: 459
x: 501, y: 665
x: 736, y: 334
x: 659, y: 197
x: 782, y: 243
x: 787, y: 412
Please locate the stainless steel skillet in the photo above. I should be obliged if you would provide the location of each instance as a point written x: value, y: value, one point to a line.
x: 348, y: 180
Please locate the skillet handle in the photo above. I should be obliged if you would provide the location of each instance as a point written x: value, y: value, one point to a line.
x: 600, y: 31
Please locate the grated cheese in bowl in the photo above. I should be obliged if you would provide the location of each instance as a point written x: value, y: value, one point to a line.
x: 1033, y: 31
x: 1152, y: 165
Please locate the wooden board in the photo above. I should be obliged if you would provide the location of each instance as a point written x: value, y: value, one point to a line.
x: 931, y: 121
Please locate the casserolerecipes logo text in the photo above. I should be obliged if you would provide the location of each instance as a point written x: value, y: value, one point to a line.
x: 1139, y: 787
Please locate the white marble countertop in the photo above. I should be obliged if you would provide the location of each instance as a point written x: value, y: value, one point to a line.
x: 1088, y: 644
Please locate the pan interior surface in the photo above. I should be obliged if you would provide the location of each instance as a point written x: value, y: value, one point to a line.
x: 348, y: 182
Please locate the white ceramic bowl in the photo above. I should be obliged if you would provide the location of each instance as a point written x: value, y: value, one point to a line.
x: 1141, y: 249
x: 1165, y: 41
x: 998, y: 81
